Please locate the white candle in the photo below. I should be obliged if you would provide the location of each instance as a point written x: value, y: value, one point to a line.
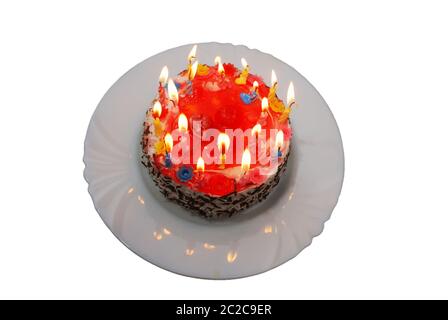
x: 245, y: 161
x: 290, y: 97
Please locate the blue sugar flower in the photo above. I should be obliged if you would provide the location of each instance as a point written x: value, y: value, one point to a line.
x: 246, y: 98
x: 184, y: 173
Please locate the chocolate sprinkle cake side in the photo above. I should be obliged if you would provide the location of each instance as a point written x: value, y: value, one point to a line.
x: 207, y: 206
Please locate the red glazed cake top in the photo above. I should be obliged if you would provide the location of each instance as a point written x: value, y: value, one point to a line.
x: 203, y: 102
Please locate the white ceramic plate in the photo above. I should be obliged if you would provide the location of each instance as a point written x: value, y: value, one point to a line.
x: 168, y: 236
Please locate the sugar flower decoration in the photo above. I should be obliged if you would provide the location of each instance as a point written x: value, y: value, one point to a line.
x: 184, y: 173
x: 277, y: 105
x: 160, y: 147
x: 202, y: 70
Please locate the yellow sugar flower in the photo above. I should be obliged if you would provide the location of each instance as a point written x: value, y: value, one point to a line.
x: 276, y: 105
x: 160, y: 147
x: 285, y: 115
x: 202, y: 70
x: 242, y: 78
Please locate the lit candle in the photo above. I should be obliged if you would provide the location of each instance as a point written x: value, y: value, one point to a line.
x: 192, y: 71
x: 172, y: 92
x: 156, y: 109
x: 168, y: 147
x: 223, y: 144
x: 290, y: 100
x: 156, y: 112
x: 192, y: 54
x: 279, y: 142
x: 273, y: 88
x: 191, y: 57
x: 200, y: 167
x: 218, y: 63
x: 245, y: 65
x: 264, y: 107
x: 244, y: 74
x: 290, y: 97
x: 163, y: 76
x: 221, y: 69
x: 182, y: 123
x: 253, y: 94
x: 256, y: 132
x: 255, y: 87
x: 245, y: 161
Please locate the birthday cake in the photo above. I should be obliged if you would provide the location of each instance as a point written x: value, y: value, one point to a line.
x: 216, y: 139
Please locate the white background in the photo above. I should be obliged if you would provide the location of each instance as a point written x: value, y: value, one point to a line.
x: 382, y: 66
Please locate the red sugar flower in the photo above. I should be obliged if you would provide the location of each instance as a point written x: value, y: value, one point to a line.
x: 229, y: 69
x: 217, y: 184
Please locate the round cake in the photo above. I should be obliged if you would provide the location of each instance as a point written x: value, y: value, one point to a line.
x: 216, y: 139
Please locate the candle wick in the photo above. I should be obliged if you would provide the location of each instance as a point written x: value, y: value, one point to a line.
x: 174, y: 103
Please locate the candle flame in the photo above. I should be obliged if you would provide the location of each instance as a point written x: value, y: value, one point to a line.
x: 157, y: 109
x: 218, y: 62
x: 244, y: 63
x: 279, y: 139
x: 245, y: 161
x: 255, y: 86
x: 168, y: 142
x: 193, y: 70
x: 182, y: 123
x: 223, y: 142
x: 172, y: 91
x: 163, y: 76
x: 192, y: 54
x: 221, y: 68
x: 200, y: 165
x: 264, y: 104
x: 274, y: 80
x: 256, y: 129
x: 290, y: 98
